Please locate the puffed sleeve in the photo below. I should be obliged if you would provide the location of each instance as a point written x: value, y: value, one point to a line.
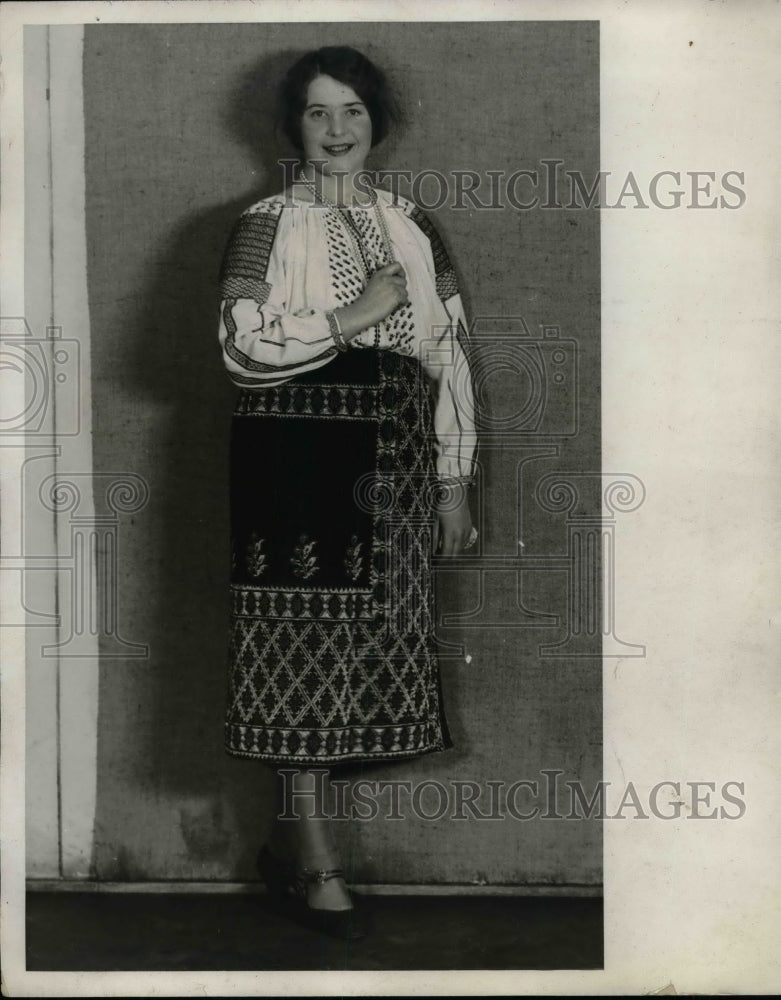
x: 454, y: 412
x: 264, y: 342
x: 445, y: 359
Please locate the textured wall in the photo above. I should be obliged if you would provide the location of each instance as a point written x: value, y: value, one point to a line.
x: 176, y: 147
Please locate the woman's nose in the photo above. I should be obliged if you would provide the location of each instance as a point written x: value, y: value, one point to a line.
x: 335, y: 125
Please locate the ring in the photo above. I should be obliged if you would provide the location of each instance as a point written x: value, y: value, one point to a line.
x: 471, y: 540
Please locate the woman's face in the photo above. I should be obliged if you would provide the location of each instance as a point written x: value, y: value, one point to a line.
x: 335, y: 127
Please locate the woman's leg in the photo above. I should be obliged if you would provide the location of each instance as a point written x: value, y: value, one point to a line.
x: 303, y: 834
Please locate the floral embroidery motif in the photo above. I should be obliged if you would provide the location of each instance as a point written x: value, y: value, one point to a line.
x: 353, y: 561
x: 256, y: 557
x: 303, y: 561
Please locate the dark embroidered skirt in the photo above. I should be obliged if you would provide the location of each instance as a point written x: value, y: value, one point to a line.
x: 332, y: 654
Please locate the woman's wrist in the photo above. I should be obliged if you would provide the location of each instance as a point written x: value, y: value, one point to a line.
x: 353, y: 320
x: 450, y: 494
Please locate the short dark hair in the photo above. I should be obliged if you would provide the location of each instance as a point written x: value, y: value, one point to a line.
x: 349, y: 67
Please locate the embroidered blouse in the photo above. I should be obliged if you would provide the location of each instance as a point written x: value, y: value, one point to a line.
x: 289, y: 262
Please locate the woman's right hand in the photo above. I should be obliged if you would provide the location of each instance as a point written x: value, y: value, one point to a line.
x: 386, y: 290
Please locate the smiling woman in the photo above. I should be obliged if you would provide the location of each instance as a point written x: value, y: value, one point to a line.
x: 352, y: 445
x: 336, y: 127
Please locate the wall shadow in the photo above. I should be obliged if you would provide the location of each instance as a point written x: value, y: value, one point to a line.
x: 174, y: 367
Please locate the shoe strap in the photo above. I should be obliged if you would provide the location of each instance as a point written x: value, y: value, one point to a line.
x: 310, y: 876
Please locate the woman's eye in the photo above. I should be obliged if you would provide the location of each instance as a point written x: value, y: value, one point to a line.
x: 355, y: 111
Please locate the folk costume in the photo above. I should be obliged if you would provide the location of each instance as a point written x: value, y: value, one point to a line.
x: 336, y: 459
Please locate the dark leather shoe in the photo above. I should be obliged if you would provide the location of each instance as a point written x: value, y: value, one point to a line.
x: 287, y: 886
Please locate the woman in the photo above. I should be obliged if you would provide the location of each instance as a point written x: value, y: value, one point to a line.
x: 341, y: 323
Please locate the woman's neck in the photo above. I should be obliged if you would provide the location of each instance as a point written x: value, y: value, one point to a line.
x: 339, y: 189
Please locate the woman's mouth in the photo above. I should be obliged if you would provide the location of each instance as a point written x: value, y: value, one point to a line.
x: 340, y: 149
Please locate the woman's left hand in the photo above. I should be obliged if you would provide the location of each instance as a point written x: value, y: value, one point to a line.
x: 454, y: 522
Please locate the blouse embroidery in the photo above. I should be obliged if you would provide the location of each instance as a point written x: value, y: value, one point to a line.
x: 245, y: 264
x: 350, y: 273
x: 399, y: 325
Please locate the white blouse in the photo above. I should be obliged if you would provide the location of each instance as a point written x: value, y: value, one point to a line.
x: 289, y: 262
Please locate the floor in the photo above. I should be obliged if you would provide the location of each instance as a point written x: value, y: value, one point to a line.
x: 79, y: 931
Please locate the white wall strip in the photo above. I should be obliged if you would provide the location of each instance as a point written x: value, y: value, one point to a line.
x: 74, y: 502
x: 30, y: 561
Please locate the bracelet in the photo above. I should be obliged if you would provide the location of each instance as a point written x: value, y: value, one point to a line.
x: 450, y: 481
x: 336, y: 331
